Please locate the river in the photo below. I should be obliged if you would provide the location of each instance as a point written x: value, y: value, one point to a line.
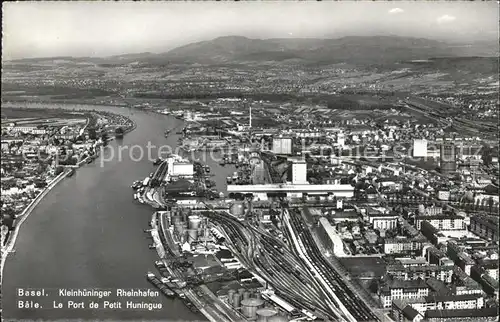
x: 88, y: 232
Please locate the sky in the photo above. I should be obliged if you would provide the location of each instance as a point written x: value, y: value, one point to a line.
x: 46, y: 29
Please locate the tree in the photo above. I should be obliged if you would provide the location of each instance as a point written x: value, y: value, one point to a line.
x: 40, y: 184
x: 58, y: 170
x: 490, y: 204
x: 119, y: 132
x: 92, y: 134
x: 486, y: 154
x: 104, y: 138
x: 40, y: 168
x: 478, y: 203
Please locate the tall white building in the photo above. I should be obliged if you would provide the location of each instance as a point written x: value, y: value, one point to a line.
x: 178, y: 167
x: 182, y: 169
x: 420, y: 148
x: 341, y: 140
x: 299, y: 172
x: 282, y: 145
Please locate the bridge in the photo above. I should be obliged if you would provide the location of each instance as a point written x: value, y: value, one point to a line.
x: 341, y: 190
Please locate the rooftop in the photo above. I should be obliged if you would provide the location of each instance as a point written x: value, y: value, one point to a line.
x: 410, y: 313
x: 451, y: 298
x: 472, y: 313
x: 402, y: 284
x: 359, y: 266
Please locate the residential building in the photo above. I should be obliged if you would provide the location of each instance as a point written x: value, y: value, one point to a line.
x: 382, y: 220
x: 439, y: 272
x: 484, y: 227
x: 435, y: 256
x: 442, y: 222
x: 464, y: 284
x: 404, y: 245
x: 402, y: 312
x: 469, y: 315
x: 393, y: 289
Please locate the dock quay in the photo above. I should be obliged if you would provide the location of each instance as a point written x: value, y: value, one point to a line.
x: 207, y: 304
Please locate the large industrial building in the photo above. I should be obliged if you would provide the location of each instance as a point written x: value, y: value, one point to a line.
x: 448, y: 158
x: 282, y: 146
x: 178, y: 167
x: 299, y: 172
x: 295, y: 190
x: 420, y: 148
x: 330, y: 237
x: 259, y: 173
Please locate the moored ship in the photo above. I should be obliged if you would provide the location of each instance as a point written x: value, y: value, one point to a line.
x: 158, y: 284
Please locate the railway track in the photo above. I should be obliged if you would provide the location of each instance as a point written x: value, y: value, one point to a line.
x: 356, y: 307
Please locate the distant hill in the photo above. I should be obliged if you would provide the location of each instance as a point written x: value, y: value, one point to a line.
x: 471, y: 65
x: 353, y: 49
x: 374, y: 49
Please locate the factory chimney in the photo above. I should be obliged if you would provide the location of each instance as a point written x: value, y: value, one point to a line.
x: 250, y: 116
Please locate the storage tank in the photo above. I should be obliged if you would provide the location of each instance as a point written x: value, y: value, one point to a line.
x: 249, y: 307
x: 241, y: 291
x: 192, y: 235
x: 230, y: 296
x: 236, y: 300
x: 178, y: 227
x: 176, y: 219
x: 182, y: 237
x: 246, y: 295
x: 237, y: 209
x: 264, y: 314
x: 168, y: 220
x: 277, y: 318
x: 184, y: 216
x: 194, y: 222
x: 257, y: 295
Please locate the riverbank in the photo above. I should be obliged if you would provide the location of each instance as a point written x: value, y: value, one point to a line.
x: 11, y: 241
x: 84, y: 232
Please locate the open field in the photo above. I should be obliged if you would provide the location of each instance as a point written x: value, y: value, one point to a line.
x: 16, y: 113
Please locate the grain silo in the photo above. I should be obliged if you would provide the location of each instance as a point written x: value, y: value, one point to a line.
x: 264, y: 314
x: 194, y: 222
x: 230, y: 296
x: 249, y: 307
x: 192, y: 235
x: 236, y: 300
x: 237, y: 209
x: 176, y: 219
x: 277, y: 318
x: 178, y: 228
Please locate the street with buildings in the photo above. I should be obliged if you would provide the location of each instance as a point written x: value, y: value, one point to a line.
x: 353, y: 235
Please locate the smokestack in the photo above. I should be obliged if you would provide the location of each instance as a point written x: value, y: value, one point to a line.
x: 250, y: 110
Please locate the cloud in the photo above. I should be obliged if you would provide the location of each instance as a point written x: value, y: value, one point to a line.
x: 446, y: 19
x: 396, y: 11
